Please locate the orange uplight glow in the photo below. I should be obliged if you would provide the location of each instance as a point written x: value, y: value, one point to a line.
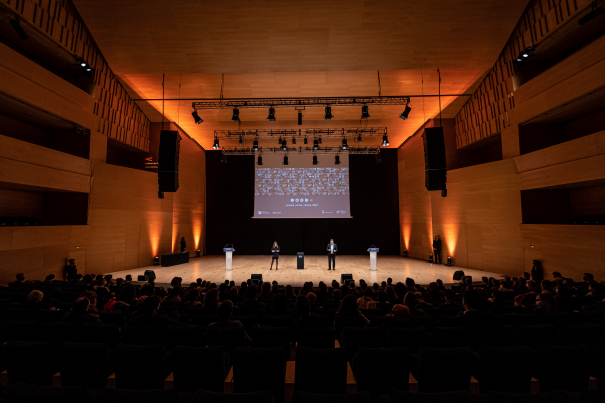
x: 197, y: 234
x: 451, y: 238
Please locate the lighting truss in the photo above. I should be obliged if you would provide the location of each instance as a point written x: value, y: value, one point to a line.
x: 302, y: 102
x: 300, y: 150
x: 311, y: 133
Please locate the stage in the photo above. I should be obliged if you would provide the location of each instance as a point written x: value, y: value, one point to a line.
x: 212, y: 268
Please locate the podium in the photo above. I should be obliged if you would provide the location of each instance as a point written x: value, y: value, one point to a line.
x: 300, y: 260
x: 373, y: 253
x: 228, y: 258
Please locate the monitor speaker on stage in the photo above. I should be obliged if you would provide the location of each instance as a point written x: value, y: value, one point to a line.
x: 458, y: 275
x: 149, y: 274
x: 168, y: 161
x: 435, y: 166
x: 346, y: 278
x: 256, y: 278
x: 141, y: 278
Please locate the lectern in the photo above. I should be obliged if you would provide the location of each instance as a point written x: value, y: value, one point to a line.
x: 373, y: 253
x: 300, y: 260
x: 228, y: 257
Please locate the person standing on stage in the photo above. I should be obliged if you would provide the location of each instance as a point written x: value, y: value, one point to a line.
x: 437, y: 249
x: 332, y: 249
x: 275, y: 258
x: 183, y: 244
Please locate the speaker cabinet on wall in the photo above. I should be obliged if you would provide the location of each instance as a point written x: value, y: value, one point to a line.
x: 168, y: 161
x: 434, y: 158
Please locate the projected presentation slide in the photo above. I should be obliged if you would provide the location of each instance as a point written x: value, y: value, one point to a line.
x: 301, y: 189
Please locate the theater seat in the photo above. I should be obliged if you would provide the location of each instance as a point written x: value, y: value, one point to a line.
x: 301, y: 397
x: 446, y: 369
x: 259, y: 369
x: 319, y: 337
x: 321, y: 370
x: 203, y: 396
x: 563, y: 367
x: 197, y: 368
x: 75, y: 364
x: 501, y: 369
x: 139, y: 367
x: 24, y: 393
x: 109, y: 395
x: 378, y: 370
x: 30, y: 362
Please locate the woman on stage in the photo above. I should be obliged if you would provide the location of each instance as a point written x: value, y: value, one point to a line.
x: 275, y: 250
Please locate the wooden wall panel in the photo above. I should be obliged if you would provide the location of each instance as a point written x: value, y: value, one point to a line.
x: 34, y: 175
x: 584, y: 170
x: 569, y: 249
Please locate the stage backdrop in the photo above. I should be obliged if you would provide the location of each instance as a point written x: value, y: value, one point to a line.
x: 374, y: 207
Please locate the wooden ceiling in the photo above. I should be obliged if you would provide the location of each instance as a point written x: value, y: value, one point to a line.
x: 299, y: 49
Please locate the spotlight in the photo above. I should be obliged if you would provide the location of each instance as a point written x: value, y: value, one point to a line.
x: 293, y: 140
x: 315, y: 144
x: 235, y: 116
x: 315, y: 160
x: 319, y: 140
x: 405, y: 253
x: 197, y: 118
x: 344, y: 144
x: 279, y: 140
x: 299, y: 118
x: 385, y: 140
x: 271, y: 116
x: 284, y: 145
x: 431, y: 258
x: 16, y: 23
x: 216, y: 145
x: 596, y: 11
x: 359, y: 138
x: 405, y: 113
x: 449, y: 261
x: 156, y: 261
x: 328, y: 114
x: 365, y: 113
x: 255, y: 145
x: 259, y: 160
x: 198, y: 253
x: 241, y: 140
x: 305, y: 141
x: 82, y: 62
x: 337, y: 160
x: 285, y: 160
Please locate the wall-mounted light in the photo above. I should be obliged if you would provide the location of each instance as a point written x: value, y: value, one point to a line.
x: 431, y: 258
x: 156, y: 261
x: 449, y: 261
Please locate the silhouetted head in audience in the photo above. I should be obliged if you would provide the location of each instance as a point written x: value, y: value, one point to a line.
x: 336, y: 295
x: 289, y: 291
x: 266, y: 288
x: 389, y: 290
x: 532, y: 286
x: 400, y: 312
x: 302, y: 306
x: 383, y: 284
x: 471, y: 300
x: 251, y: 291
x: 556, y: 274
x: 35, y: 297
x: 233, y: 293
x: 450, y: 296
x: 368, y: 293
x: 485, y: 280
x: 91, y: 296
x: 147, y: 289
x: 381, y: 297
x: 410, y: 300
x: 225, y: 310
x: 127, y: 294
x: 20, y: 278
x: 546, y: 285
x: 335, y: 284
x: 545, y: 301
x: 312, y: 298
x: 81, y: 305
x: 400, y: 290
x: 211, y: 300
x: 49, y: 278
x: 348, y: 306
x: 352, y: 285
x: 151, y: 305
x: 344, y: 290
x: 410, y: 285
x: 588, y: 277
x: 87, y: 279
x: 436, y: 295
x: 389, y: 281
x: 128, y: 277
x: 526, y: 275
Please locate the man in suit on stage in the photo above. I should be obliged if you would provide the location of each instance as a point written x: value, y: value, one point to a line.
x: 332, y: 249
x: 437, y: 249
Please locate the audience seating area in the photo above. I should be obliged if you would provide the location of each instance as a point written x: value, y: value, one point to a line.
x: 103, y: 340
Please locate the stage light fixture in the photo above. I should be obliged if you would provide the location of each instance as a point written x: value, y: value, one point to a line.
x: 359, y: 138
x: 82, y: 62
x: 235, y: 116
x: 431, y: 258
x: 196, y: 117
x: 285, y: 160
x: 405, y: 253
x: 337, y: 160
x: 279, y: 140
x: 385, y: 141
x: 255, y: 145
x: 284, y: 145
x: 328, y: 114
x: 344, y: 144
x: 198, y: 253
x: 365, y: 113
x: 406, y: 112
x: 449, y: 261
x: 216, y: 146
x: 315, y: 144
x: 319, y: 140
x: 305, y: 141
x: 16, y: 23
x: 156, y: 261
x: 315, y: 160
x: 293, y: 140
x: 259, y: 160
x: 596, y: 11
x: 299, y: 118
x: 271, y: 116
x: 241, y: 140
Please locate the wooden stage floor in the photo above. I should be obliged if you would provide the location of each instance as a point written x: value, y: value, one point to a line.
x: 212, y: 268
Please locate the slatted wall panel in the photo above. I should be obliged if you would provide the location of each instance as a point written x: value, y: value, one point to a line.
x: 117, y: 116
